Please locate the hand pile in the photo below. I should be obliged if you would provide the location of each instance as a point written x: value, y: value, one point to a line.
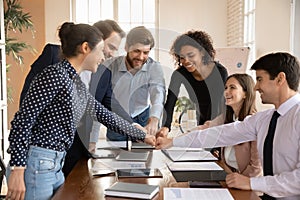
x: 160, y: 140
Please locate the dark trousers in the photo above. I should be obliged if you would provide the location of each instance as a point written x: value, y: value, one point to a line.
x: 74, y: 154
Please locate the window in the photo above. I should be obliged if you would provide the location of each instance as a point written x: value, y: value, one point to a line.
x: 295, y: 27
x: 128, y: 13
x: 249, y: 28
x: 91, y: 11
x: 241, y: 25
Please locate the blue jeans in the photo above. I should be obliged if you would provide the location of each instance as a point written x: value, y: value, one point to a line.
x: 141, y: 119
x: 43, y: 175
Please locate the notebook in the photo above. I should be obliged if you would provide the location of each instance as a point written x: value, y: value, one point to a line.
x: 139, y: 173
x: 138, y: 145
x: 132, y: 190
x: 133, y: 156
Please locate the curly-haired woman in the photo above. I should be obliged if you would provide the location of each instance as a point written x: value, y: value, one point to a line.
x: 202, y: 77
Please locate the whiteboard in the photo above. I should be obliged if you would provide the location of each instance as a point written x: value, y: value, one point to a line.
x: 235, y: 59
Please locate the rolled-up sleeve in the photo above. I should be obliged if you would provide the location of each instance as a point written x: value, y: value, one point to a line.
x: 157, y: 90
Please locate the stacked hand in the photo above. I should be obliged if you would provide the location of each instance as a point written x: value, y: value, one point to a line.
x: 162, y: 141
x: 163, y: 132
x: 149, y: 139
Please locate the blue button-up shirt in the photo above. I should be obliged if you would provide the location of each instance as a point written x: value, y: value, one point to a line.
x: 137, y: 92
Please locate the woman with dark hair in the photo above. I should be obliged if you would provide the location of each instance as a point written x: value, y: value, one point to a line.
x: 240, y: 102
x: 44, y: 127
x: 202, y: 77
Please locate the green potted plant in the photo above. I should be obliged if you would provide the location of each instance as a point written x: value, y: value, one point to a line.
x: 184, y: 105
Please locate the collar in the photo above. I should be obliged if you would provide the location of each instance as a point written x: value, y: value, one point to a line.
x: 288, y: 104
x: 70, y: 69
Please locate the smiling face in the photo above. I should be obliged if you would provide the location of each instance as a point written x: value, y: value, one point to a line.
x: 137, y: 55
x: 111, y: 45
x: 94, y: 58
x: 190, y: 58
x: 234, y: 94
x: 267, y: 88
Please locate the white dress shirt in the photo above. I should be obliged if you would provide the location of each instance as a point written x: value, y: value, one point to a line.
x: 286, y: 146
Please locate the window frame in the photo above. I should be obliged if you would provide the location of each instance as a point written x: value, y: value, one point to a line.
x: 126, y: 27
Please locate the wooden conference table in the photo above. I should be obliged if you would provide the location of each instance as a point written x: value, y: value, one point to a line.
x: 80, y: 184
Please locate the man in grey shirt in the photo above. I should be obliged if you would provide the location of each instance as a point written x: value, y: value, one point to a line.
x: 138, y: 82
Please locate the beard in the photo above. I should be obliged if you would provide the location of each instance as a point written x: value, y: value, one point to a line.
x: 130, y: 62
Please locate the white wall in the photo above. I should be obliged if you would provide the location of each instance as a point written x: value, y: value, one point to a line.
x: 177, y: 17
x: 56, y: 13
x: 272, y: 26
x: 272, y: 31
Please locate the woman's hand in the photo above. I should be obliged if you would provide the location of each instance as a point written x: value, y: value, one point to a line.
x: 162, y: 132
x: 138, y: 126
x: 16, y: 185
x: 164, y: 142
x: 150, y: 139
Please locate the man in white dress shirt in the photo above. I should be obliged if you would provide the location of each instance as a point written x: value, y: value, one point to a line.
x: 277, y: 76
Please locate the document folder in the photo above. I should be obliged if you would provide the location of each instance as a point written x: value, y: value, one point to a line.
x: 193, y: 171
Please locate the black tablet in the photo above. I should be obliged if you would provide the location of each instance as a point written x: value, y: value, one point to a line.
x: 138, y: 173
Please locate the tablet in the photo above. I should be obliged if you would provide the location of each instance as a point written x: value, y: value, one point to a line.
x: 138, y: 173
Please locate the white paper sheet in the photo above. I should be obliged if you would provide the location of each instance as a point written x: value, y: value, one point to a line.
x: 197, y: 193
x: 193, y: 166
x: 189, y: 155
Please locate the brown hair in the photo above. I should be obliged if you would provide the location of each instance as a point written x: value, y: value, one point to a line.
x: 72, y: 35
x: 248, y: 106
x: 141, y: 35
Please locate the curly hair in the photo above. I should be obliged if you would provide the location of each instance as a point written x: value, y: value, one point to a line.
x: 198, y: 39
